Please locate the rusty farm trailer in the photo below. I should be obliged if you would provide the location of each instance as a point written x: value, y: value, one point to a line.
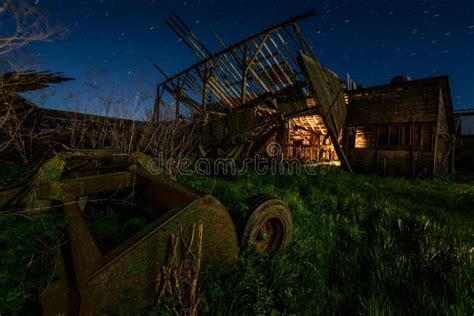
x: 125, y: 278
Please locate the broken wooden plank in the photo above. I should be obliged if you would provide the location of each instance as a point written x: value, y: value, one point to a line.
x: 326, y: 88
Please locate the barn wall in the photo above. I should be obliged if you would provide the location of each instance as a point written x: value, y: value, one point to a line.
x: 408, y: 132
x: 464, y: 161
x: 384, y: 162
x: 395, y: 106
x: 467, y: 125
x: 465, y: 155
x: 444, y: 150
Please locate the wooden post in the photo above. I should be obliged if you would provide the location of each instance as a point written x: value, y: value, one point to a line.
x: 156, y: 108
x: 245, y: 68
x: 204, y: 94
x: 177, y: 107
x: 156, y: 111
x: 247, y: 63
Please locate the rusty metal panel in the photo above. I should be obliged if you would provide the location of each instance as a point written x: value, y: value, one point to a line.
x: 83, y: 249
x: 51, y: 170
x: 125, y: 280
x: 56, y: 190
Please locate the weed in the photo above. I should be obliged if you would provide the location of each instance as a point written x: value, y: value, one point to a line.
x: 361, y: 244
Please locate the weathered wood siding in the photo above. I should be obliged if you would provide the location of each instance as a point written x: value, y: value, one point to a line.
x: 464, y: 157
x: 396, y: 106
x: 326, y: 88
x: 408, y: 131
x: 444, y: 146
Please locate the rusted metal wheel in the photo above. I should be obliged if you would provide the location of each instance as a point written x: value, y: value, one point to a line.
x: 270, y: 225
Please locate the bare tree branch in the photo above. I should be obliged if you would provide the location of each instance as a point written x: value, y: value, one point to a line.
x: 23, y: 23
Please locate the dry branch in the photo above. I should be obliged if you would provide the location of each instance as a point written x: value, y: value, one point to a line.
x: 179, y: 278
x: 22, y: 23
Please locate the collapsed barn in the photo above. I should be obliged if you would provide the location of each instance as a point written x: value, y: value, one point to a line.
x: 270, y: 87
x: 267, y: 87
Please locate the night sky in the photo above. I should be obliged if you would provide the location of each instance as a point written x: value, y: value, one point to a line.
x: 115, y: 43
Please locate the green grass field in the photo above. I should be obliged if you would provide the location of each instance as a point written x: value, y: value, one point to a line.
x: 361, y: 244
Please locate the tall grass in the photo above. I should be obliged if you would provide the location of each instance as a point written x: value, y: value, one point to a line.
x: 29, y: 250
x: 361, y: 244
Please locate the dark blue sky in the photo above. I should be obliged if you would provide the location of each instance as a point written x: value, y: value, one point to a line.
x: 372, y: 40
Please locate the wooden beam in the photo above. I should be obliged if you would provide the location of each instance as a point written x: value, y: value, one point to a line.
x: 259, y: 48
x: 245, y: 69
x: 204, y: 94
x: 156, y: 109
x: 257, y: 35
x: 331, y: 104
